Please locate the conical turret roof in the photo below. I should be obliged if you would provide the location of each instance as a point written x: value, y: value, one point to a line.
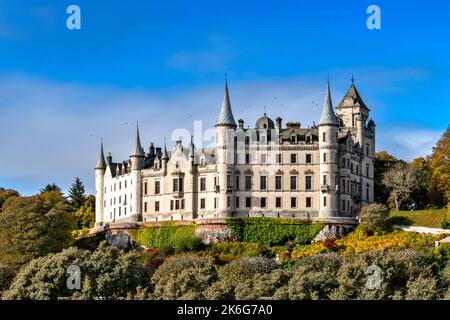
x: 226, y: 115
x: 137, y: 149
x: 328, y: 116
x: 101, y: 164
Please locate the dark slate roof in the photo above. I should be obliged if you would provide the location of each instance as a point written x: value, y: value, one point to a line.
x: 352, y: 93
x: 328, y: 116
x: 226, y: 115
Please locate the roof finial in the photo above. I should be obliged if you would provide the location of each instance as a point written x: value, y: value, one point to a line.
x: 264, y: 110
x: 353, y: 79
x: 164, y: 155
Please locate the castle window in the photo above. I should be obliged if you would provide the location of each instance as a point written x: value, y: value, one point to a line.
x: 248, y: 182
x: 202, y: 184
x: 324, y: 157
x: 293, y: 139
x: 114, y: 187
x: 104, y: 204
x: 119, y: 211
x: 293, y: 202
x: 125, y: 183
x: 351, y: 167
x: 278, y: 202
x: 308, y: 182
x: 237, y: 183
x: 171, y: 205
x: 248, y: 202
x: 277, y: 182
x: 145, y: 206
x: 120, y: 185
x: 367, y: 170
x: 308, y: 139
x: 263, y: 182
x: 293, y: 182
x: 247, y: 140
x: 228, y: 202
x: 357, y: 169
x: 278, y: 158
x: 177, y: 204
x: 324, y: 201
x: 202, y: 203
x: 263, y: 202
x: 157, y: 187
x: 156, y: 206
x: 343, y: 185
x: 308, y: 158
x: 308, y: 202
x: 367, y: 149
x: 323, y: 136
x: 114, y: 200
x: 247, y: 158
x: 125, y: 199
x: 367, y: 194
x: 264, y: 158
x: 343, y: 205
x: 343, y: 162
x: 215, y: 203
x: 145, y: 188
x: 182, y: 204
x: 236, y: 202
x: 324, y: 181
x: 293, y: 158
x: 105, y: 190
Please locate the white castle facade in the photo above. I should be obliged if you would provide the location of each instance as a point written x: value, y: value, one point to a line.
x: 322, y: 171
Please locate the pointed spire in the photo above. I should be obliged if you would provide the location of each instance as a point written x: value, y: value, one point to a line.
x: 328, y: 116
x: 226, y: 115
x: 101, y: 164
x: 137, y: 149
x: 191, y: 146
x: 165, y: 155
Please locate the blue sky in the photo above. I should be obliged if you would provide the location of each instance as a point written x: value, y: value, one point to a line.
x: 162, y: 62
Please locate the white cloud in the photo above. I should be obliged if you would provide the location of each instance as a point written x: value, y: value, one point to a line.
x: 407, y: 142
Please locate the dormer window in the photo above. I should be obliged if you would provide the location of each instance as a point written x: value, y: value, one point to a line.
x: 293, y: 138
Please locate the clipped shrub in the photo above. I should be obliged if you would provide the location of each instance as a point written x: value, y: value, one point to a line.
x: 272, y: 231
x: 180, y: 238
x: 262, y: 286
x: 314, y: 277
x: 374, y: 218
x: 183, y: 277
x: 238, y: 271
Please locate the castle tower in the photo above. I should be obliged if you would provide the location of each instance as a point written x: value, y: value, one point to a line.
x: 225, y: 127
x: 137, y: 163
x: 354, y: 113
x: 99, y: 187
x: 328, y: 149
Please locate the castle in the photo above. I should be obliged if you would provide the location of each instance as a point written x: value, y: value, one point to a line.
x: 322, y: 171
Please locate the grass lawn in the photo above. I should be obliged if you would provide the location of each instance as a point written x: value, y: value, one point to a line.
x: 422, y: 218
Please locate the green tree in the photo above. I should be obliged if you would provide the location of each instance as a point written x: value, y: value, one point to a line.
x: 373, y: 217
x: 5, y: 194
x: 112, y: 273
x: 383, y: 162
x: 51, y: 187
x: 106, y: 273
x: 440, y: 165
x: 77, y: 194
x: 85, y: 215
x: 45, y: 278
x: 183, y: 277
x: 32, y: 227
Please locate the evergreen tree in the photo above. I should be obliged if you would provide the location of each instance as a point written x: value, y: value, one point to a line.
x: 77, y: 194
x: 51, y: 187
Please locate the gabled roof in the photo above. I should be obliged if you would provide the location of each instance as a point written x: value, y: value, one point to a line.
x: 226, y: 115
x: 353, y: 94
